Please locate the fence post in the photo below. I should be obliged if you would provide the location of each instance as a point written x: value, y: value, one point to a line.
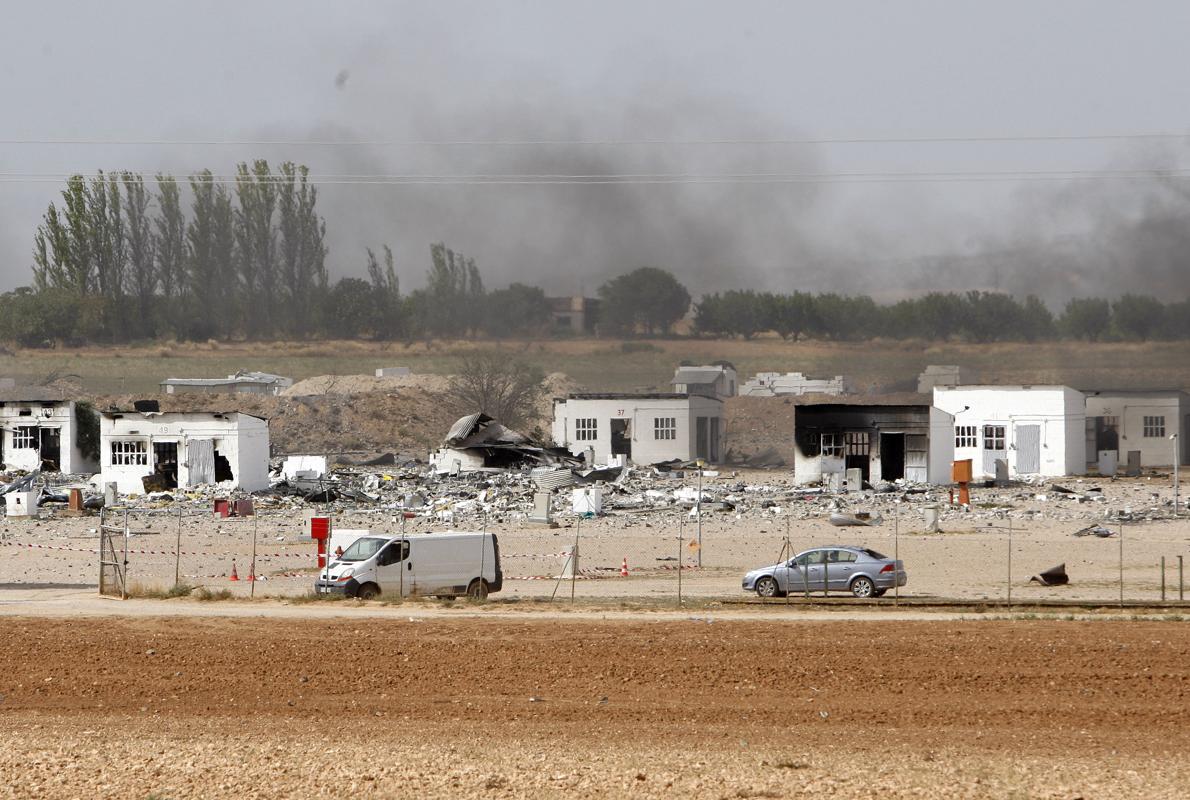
x: 1121, y: 563
x: 1181, y: 585
x: 681, y: 530
x: 1162, y: 579
x: 178, y: 551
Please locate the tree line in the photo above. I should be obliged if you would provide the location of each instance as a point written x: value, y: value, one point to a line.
x: 245, y: 256
x: 975, y: 316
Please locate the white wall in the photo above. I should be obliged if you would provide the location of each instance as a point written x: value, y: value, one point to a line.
x: 243, y: 440
x: 1131, y: 408
x: 641, y: 412
x: 1059, y: 411
x: 941, y: 446
x: 59, y: 415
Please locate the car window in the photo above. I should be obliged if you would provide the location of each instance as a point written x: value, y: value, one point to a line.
x: 362, y: 549
x: 812, y: 557
x: 875, y: 555
x: 841, y: 556
x: 395, y: 553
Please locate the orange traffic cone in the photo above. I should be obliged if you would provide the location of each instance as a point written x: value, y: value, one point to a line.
x: 234, y: 576
x: 252, y: 572
x: 624, y: 568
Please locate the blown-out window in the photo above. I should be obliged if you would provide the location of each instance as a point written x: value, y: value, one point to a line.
x: 24, y: 438
x: 1154, y: 427
x: 665, y: 428
x: 130, y: 454
x: 832, y: 444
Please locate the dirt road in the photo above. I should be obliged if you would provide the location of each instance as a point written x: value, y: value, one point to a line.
x: 411, y: 707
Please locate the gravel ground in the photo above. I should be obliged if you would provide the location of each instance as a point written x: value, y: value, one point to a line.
x: 969, y: 561
x: 460, y: 708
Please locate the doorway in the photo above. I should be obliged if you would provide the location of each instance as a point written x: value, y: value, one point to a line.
x: 50, y: 449
x: 621, y: 438
x: 892, y: 456
x: 165, y: 462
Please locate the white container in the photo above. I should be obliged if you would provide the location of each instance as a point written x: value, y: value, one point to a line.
x: 21, y: 504
x: 588, y: 500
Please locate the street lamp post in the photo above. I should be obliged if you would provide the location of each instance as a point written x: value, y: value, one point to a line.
x: 1176, y: 459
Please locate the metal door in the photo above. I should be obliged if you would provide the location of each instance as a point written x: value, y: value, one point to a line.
x: 200, y: 462
x: 1028, y: 449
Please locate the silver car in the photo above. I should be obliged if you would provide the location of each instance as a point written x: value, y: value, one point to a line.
x: 838, y: 568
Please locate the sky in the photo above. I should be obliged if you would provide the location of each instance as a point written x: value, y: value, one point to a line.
x: 1003, y: 94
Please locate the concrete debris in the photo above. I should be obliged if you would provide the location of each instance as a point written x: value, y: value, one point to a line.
x: 1095, y: 530
x: 478, y: 442
x: 858, y: 519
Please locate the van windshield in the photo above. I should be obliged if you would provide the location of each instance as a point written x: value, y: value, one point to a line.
x: 362, y: 549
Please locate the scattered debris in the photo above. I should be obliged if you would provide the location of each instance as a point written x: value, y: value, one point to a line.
x: 858, y: 519
x: 1054, y: 576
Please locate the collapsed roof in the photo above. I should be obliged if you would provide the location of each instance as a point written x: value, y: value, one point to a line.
x: 499, y: 447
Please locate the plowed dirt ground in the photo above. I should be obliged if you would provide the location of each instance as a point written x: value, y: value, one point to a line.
x: 548, y: 707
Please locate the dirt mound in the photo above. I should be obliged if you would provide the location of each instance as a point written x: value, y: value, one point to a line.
x: 759, y: 430
x: 362, y: 384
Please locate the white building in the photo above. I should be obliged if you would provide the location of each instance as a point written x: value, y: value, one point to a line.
x: 40, y: 430
x: 1122, y: 421
x: 186, y: 448
x: 1037, y: 430
x: 645, y: 428
x: 711, y: 380
x: 240, y: 383
x: 771, y: 384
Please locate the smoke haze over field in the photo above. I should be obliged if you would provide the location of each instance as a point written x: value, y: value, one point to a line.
x: 667, y: 72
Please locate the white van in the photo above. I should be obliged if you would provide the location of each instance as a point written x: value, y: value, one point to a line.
x: 448, y: 564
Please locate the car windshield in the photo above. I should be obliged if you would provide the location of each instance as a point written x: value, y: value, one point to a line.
x: 362, y: 549
x: 877, y: 556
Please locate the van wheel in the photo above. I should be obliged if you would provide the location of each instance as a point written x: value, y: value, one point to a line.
x: 368, y: 591
x: 478, y: 590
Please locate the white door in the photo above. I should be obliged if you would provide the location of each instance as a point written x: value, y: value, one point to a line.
x: 200, y: 462
x: 1028, y: 449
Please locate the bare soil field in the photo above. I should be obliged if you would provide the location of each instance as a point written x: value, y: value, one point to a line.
x: 411, y: 707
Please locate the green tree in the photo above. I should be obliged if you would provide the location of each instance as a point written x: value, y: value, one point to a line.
x: 648, y: 300
x: 1085, y: 318
x: 302, y: 275
x: 386, y: 289
x: 169, y: 239
x: 256, y: 244
x: 139, y: 246
x: 210, y: 253
x: 353, y: 309
x: 519, y: 310
x: 1137, y: 317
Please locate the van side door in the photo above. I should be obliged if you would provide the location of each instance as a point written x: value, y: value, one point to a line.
x: 392, y: 568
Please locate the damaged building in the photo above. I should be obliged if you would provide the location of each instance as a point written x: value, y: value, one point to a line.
x: 886, y: 438
x: 642, y: 428
x: 182, y: 449
x: 41, y: 430
x: 478, y: 442
x: 1138, y: 421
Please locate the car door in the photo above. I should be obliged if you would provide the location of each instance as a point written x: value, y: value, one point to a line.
x: 812, y: 565
x: 392, y: 566
x: 840, y: 567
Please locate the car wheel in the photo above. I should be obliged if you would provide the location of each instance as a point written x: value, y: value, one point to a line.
x: 478, y: 590
x: 767, y: 587
x: 368, y: 591
x: 863, y: 587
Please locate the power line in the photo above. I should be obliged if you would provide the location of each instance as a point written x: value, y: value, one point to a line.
x: 610, y: 142
x: 599, y: 179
